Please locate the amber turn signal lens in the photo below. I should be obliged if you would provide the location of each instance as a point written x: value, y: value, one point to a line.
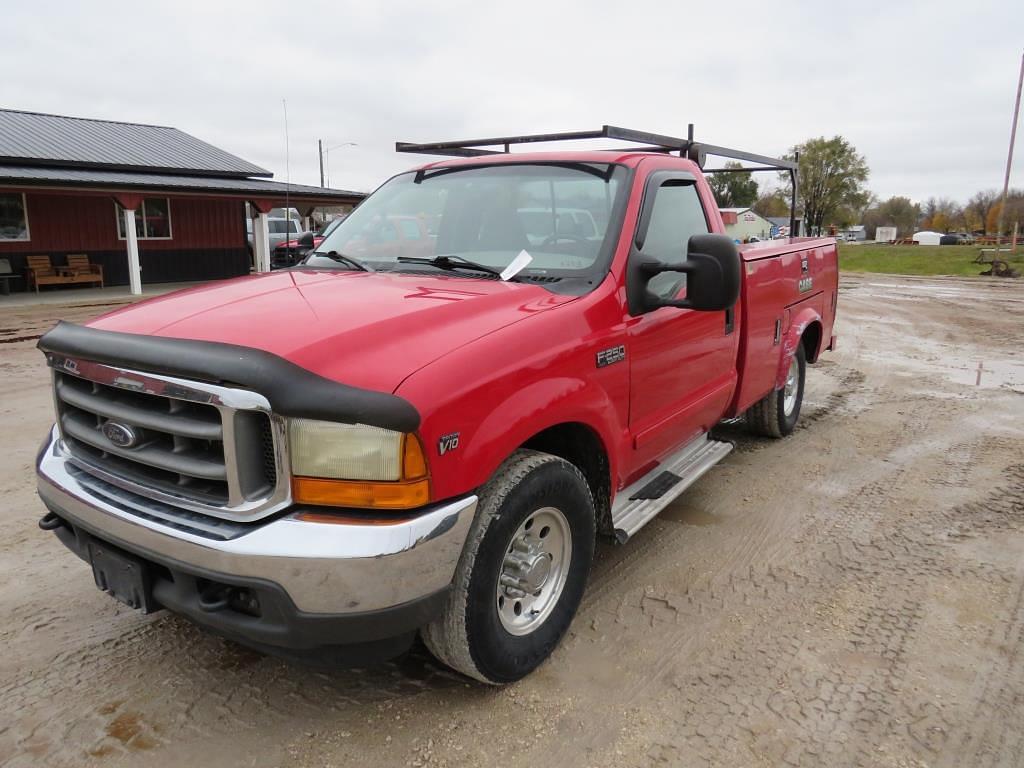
x: 414, y: 463
x: 361, y: 495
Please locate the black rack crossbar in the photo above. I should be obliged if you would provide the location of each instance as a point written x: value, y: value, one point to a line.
x: 650, y: 142
x: 654, y: 142
x: 744, y: 169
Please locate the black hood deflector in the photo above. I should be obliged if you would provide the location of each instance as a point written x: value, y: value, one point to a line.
x: 292, y: 390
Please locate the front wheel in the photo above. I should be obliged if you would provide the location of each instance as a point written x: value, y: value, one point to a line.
x: 776, y: 414
x: 522, y: 572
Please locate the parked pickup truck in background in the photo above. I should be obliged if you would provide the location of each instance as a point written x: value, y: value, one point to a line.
x: 288, y: 253
x: 280, y: 229
x: 435, y: 438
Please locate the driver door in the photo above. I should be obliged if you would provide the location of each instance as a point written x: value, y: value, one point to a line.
x: 682, y: 369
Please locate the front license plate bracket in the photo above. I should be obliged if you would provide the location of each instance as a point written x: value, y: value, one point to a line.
x: 125, y: 577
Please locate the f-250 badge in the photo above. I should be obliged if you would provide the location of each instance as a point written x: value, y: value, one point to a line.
x: 609, y: 356
x: 448, y: 443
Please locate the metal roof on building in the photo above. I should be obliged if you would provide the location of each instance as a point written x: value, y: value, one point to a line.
x: 782, y: 221
x: 36, y: 139
x: 158, y: 182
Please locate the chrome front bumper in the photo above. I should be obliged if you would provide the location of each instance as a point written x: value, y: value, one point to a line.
x: 325, y: 568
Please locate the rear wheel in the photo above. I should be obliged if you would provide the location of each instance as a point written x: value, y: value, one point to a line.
x: 522, y: 572
x: 777, y: 413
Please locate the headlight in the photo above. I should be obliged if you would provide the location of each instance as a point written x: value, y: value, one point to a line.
x: 354, y: 465
x: 344, y: 451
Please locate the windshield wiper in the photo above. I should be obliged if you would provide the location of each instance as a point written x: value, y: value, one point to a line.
x: 341, y: 258
x: 450, y: 262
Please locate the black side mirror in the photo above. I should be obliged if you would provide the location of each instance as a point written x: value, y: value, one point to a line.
x: 306, y: 241
x: 712, y: 269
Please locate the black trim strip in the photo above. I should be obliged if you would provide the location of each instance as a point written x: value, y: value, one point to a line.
x: 291, y: 389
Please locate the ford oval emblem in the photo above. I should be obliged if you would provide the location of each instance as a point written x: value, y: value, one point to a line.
x: 120, y: 435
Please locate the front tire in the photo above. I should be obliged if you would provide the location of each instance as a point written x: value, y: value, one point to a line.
x: 522, y: 572
x: 776, y: 414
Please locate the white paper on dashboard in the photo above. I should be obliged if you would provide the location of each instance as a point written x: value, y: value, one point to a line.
x: 519, y: 263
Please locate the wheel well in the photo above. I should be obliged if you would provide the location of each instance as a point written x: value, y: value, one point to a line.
x: 580, y: 446
x: 811, y: 341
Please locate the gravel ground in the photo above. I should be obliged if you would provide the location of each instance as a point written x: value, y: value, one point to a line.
x: 850, y: 596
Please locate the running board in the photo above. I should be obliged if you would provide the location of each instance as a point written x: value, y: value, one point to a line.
x: 636, y: 505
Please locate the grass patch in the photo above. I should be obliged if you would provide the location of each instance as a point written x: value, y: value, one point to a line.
x: 955, y: 260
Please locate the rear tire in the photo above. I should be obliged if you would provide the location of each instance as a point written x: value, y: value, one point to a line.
x: 777, y: 413
x: 522, y: 572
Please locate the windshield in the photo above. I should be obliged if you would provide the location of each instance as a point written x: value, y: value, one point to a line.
x: 559, y: 214
x: 333, y: 225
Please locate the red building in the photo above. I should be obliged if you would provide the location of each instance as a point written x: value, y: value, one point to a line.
x: 147, y: 203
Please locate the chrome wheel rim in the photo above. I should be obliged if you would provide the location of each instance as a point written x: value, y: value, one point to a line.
x: 792, y: 385
x: 534, y: 571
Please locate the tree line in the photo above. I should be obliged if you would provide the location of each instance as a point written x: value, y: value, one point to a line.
x: 834, y: 192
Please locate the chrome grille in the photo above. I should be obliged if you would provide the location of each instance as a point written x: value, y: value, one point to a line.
x: 202, y: 447
x: 190, y: 522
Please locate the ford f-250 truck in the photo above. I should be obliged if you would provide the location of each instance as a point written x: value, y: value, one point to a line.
x: 427, y: 434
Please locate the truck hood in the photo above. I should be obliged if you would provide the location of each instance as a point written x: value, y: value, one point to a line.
x: 365, y: 329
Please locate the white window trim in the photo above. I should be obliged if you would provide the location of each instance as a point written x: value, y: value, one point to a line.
x: 28, y: 229
x: 119, y: 212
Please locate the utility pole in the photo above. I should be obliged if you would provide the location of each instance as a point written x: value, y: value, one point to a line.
x: 1009, y: 157
x: 320, y: 146
x: 327, y: 151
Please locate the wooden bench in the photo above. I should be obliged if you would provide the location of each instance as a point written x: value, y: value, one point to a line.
x: 79, y: 269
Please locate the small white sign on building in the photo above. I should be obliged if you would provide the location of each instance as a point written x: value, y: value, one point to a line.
x: 885, y: 234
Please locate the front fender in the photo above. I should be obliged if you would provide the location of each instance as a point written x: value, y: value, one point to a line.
x: 518, y: 418
x: 791, y: 340
x: 490, y: 423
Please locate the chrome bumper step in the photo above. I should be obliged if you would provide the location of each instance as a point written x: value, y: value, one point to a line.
x: 638, y: 504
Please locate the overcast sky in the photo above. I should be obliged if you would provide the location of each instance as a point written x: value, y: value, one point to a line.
x: 923, y: 89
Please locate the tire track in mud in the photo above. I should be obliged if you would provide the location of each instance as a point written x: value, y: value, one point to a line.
x: 163, y: 667
x: 847, y: 700
x: 683, y: 619
x: 634, y: 559
x: 996, y: 738
x: 850, y: 395
x: 622, y: 562
x: 852, y: 556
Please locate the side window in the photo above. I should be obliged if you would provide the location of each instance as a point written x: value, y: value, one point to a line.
x: 152, y: 219
x: 676, y: 216
x: 13, y: 217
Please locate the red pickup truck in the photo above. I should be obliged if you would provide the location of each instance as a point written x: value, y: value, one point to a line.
x: 434, y: 438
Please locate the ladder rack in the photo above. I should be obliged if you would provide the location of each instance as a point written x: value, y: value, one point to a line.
x: 646, y: 141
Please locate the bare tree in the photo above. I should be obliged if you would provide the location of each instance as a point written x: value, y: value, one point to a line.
x: 942, y: 214
x: 1014, y: 212
x: 979, y: 207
